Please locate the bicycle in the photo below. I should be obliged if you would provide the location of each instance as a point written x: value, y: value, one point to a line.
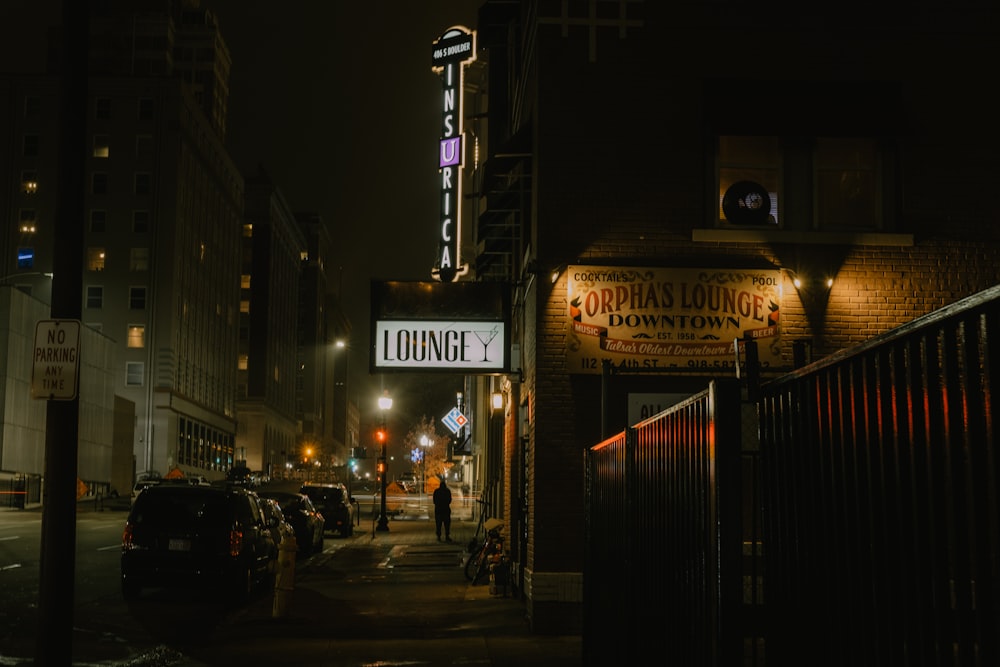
x: 483, y: 511
x: 488, y: 553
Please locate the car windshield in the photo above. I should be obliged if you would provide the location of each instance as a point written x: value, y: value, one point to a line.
x: 322, y: 494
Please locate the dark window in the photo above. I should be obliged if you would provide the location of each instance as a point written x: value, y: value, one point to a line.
x: 137, y: 298
x: 102, y: 108
x: 30, y: 145
x: 143, y: 182
x: 95, y: 296
x: 140, y: 222
x: 99, y: 183
x: 98, y: 221
x: 145, y: 109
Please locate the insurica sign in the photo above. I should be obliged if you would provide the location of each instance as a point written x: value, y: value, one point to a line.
x: 455, y: 49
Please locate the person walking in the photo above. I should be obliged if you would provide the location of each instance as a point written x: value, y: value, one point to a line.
x: 442, y: 510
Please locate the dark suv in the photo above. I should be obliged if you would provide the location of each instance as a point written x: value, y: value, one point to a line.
x: 197, y: 537
x: 333, y: 503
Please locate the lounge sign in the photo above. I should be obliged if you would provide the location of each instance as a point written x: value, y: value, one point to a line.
x: 461, y: 327
x: 670, y: 319
x: 450, y: 54
x: 460, y: 346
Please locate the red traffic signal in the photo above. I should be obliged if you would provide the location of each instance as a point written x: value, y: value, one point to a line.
x: 380, y: 436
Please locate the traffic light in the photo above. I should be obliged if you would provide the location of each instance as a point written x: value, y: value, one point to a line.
x: 380, y: 436
x: 380, y: 467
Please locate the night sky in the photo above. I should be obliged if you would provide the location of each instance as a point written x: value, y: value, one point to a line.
x: 338, y: 102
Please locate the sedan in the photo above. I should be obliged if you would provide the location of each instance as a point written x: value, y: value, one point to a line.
x: 281, y: 529
x: 304, y: 517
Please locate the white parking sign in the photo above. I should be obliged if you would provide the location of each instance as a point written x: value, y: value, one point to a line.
x: 55, y: 368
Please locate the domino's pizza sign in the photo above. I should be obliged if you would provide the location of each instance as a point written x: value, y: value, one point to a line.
x: 455, y: 420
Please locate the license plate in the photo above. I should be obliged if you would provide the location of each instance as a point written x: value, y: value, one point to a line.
x: 179, y: 545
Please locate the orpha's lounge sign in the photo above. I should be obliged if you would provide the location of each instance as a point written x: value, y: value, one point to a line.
x: 670, y: 318
x: 455, y: 49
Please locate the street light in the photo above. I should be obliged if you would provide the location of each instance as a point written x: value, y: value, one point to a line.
x: 425, y: 442
x: 384, y: 405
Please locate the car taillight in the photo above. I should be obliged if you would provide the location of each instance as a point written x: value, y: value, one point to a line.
x: 235, y: 542
x: 128, y: 537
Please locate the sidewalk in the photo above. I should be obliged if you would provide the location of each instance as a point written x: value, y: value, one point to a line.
x: 387, y: 598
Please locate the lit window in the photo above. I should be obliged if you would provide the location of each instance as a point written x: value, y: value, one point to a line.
x: 245, y: 281
x: 95, y: 259
x: 25, y: 258
x: 136, y: 335
x: 29, y: 181
x: 95, y: 296
x: 247, y: 231
x: 244, y: 306
x: 98, y: 221
x: 102, y: 146
x: 242, y: 364
x: 134, y: 371
x: 137, y: 298
x: 27, y: 220
x: 138, y: 259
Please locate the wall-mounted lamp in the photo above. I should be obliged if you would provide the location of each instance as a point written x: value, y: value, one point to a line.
x: 556, y: 272
x: 497, y: 399
x: 804, y: 283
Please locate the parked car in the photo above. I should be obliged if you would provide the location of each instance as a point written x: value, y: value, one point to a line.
x: 199, y: 537
x: 334, y: 504
x: 408, y: 481
x: 280, y: 527
x: 306, y: 519
x: 241, y: 475
x: 139, y: 486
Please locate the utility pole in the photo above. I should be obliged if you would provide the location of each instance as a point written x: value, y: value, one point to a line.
x: 54, y: 644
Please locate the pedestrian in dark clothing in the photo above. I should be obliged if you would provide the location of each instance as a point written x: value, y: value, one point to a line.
x: 442, y: 510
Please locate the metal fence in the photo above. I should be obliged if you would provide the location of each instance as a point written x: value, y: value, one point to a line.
x: 879, y: 488
x: 664, y: 537
x: 865, y: 531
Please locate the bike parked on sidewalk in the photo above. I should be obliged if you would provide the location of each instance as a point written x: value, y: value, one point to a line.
x: 490, y: 552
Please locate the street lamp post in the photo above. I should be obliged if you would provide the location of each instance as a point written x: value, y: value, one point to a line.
x: 384, y: 404
x: 425, y: 442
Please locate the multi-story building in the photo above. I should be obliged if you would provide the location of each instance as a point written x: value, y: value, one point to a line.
x: 273, y: 246
x: 322, y: 385
x: 665, y: 181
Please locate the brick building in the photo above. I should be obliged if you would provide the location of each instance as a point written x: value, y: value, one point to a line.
x: 664, y: 181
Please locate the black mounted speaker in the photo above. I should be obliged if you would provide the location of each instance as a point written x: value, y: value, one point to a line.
x: 747, y: 203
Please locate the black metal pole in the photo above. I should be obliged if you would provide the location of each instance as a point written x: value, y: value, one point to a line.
x: 54, y: 643
x: 383, y: 518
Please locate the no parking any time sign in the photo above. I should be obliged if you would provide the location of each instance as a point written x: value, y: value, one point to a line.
x: 55, y: 368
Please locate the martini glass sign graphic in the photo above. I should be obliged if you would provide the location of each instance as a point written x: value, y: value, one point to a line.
x: 486, y: 337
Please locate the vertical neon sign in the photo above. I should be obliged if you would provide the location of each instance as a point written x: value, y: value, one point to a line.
x: 450, y: 54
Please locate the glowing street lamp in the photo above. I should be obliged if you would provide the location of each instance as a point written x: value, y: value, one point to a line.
x: 384, y: 405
